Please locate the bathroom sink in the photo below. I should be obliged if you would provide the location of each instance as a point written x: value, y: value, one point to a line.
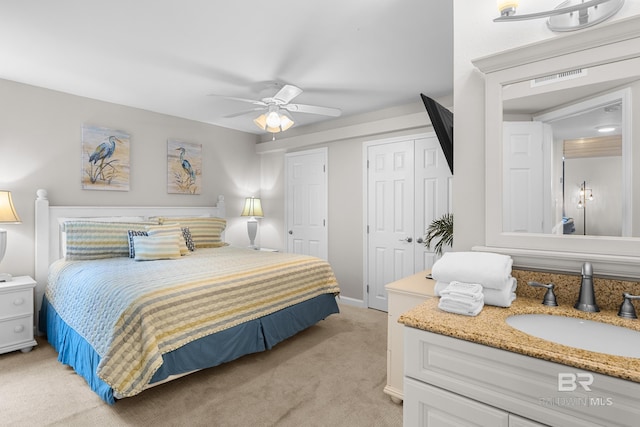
x: 580, y: 333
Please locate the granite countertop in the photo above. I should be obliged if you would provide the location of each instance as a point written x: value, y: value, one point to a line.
x: 490, y: 328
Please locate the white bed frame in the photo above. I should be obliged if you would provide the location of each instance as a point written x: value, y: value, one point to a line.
x: 48, y: 245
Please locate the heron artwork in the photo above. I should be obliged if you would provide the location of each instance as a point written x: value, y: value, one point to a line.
x: 184, y: 167
x: 103, y: 152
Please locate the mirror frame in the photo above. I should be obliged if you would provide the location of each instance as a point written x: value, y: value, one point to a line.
x: 606, y: 45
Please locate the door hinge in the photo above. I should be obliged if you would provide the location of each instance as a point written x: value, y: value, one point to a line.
x: 367, y: 229
x: 367, y: 164
x: 367, y: 288
x: 324, y: 222
x: 324, y: 168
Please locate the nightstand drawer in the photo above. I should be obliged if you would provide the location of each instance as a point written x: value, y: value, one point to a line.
x: 16, y: 331
x: 16, y: 303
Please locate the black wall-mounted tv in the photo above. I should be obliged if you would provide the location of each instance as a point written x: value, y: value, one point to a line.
x: 442, y: 121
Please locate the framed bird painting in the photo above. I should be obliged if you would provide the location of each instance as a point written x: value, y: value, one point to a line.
x: 105, y: 159
x: 184, y: 167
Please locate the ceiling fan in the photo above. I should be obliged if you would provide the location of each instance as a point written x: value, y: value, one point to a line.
x: 276, y: 117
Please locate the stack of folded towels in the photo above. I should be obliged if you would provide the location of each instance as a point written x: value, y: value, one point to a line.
x: 489, y: 270
x: 462, y: 298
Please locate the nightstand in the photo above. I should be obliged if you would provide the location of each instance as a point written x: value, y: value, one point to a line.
x: 16, y: 314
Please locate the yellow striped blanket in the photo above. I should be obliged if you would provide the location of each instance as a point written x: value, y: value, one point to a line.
x: 134, y: 312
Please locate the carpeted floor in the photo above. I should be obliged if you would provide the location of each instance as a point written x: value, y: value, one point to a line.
x: 332, y: 374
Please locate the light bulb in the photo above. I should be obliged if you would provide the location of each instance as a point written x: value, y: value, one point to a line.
x: 273, y: 119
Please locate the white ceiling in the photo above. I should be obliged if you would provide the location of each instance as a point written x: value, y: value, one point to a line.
x: 169, y: 56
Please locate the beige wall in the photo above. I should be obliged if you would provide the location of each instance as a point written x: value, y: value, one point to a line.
x: 40, y: 147
x: 475, y: 36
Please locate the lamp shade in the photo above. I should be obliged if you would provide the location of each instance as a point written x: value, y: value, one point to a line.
x: 252, y: 207
x: 8, y: 214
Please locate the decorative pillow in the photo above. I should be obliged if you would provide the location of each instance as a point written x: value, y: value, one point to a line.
x: 131, y: 233
x: 188, y: 239
x: 205, y: 231
x: 86, y: 240
x: 169, y: 229
x: 151, y: 248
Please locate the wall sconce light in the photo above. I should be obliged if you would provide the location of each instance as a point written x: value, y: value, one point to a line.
x: 569, y: 15
x: 253, y: 209
x: 8, y: 215
x: 582, y: 203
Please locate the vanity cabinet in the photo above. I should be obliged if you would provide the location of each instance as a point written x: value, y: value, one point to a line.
x: 449, y: 381
x: 403, y: 295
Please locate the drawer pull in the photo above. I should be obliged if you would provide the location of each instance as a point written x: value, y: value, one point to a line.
x: 18, y: 329
x: 18, y: 301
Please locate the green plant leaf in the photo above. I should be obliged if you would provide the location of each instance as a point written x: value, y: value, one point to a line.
x: 441, y: 230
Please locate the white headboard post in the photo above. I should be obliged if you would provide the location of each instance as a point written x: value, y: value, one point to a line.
x: 41, y: 248
x: 48, y: 220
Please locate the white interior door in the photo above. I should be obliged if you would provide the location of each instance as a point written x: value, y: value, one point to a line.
x: 523, y: 183
x: 390, y: 206
x: 306, y: 202
x: 433, y: 194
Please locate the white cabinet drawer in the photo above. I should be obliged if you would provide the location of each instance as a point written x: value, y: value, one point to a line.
x: 16, y: 303
x: 428, y: 406
x: 16, y: 331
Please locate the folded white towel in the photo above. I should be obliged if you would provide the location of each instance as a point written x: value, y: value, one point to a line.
x: 491, y: 270
x: 501, y: 297
x: 497, y: 297
x: 457, y: 289
x: 456, y: 306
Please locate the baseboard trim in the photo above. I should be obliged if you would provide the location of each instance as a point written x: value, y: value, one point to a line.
x: 351, y: 301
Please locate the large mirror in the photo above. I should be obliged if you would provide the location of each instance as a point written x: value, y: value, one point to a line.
x: 567, y: 161
x: 566, y: 204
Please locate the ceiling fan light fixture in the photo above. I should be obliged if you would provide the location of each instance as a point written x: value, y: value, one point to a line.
x: 274, y: 121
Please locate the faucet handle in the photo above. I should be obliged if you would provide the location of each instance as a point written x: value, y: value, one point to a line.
x: 626, y: 308
x: 549, y: 297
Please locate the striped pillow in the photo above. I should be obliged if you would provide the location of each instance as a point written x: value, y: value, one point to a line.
x: 169, y: 230
x: 151, y: 248
x: 86, y: 240
x: 206, y: 232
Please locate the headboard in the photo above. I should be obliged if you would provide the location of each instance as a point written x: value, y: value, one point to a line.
x: 48, y: 218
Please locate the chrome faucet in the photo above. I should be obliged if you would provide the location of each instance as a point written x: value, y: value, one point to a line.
x: 587, y: 298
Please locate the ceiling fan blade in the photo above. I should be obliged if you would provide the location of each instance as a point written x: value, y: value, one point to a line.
x: 233, y: 98
x: 241, y: 113
x: 287, y: 93
x: 313, y: 109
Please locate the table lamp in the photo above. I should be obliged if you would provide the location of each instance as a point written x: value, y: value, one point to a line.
x: 8, y: 215
x: 253, y: 209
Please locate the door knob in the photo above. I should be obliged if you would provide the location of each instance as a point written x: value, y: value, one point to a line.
x: 290, y: 231
x: 419, y: 240
x: 408, y: 240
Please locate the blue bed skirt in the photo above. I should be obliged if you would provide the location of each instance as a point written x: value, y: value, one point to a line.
x: 250, y: 337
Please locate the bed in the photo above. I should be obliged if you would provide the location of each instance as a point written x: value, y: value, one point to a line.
x: 166, y: 298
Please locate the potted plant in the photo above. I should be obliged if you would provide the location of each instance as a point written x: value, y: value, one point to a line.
x: 440, y: 229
